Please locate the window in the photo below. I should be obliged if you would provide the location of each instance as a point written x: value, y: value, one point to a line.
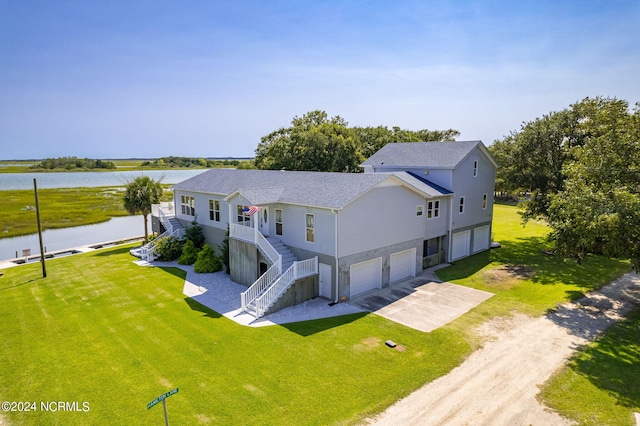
x: 461, y: 206
x: 242, y: 218
x: 484, y: 201
x: 475, y: 168
x: 188, y: 205
x: 279, y: 222
x: 419, y: 210
x: 214, y: 210
x: 310, y: 228
x: 433, y: 209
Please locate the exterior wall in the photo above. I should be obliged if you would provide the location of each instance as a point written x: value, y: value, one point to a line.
x: 466, y: 228
x: 243, y: 262
x: 202, y: 209
x: 384, y: 252
x: 300, y: 291
x: 437, y: 226
x: 294, y: 229
x: 442, y: 177
x: 472, y: 189
x: 382, y: 217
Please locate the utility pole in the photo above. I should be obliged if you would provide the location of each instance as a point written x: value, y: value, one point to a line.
x: 44, y: 268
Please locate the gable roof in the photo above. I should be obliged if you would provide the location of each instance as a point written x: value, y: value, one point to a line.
x: 435, y: 155
x: 317, y: 189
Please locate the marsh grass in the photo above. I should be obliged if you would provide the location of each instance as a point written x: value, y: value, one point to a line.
x: 59, y: 208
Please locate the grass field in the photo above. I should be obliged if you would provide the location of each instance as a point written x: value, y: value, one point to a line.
x: 60, y: 208
x: 100, y: 329
x: 601, y: 384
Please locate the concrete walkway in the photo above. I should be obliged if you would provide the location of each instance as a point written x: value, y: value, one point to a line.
x: 422, y: 302
x: 216, y: 291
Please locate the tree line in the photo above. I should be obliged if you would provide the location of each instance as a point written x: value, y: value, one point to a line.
x: 581, y: 170
x: 317, y: 142
x: 73, y: 163
x: 195, y: 162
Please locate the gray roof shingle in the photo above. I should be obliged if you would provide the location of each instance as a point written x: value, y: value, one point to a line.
x: 318, y: 189
x: 445, y: 155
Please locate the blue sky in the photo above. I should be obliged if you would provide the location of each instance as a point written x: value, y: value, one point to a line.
x: 115, y: 79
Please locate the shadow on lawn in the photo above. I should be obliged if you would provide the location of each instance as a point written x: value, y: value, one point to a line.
x: 309, y: 328
x: 199, y: 307
x: 595, y: 271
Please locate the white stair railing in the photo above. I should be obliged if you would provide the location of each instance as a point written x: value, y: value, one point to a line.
x: 258, y: 287
x: 295, y: 272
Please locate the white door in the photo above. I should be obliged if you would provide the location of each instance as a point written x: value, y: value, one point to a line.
x: 402, y: 265
x: 481, y: 239
x: 325, y: 280
x: 365, y: 276
x: 264, y: 221
x: 460, y: 245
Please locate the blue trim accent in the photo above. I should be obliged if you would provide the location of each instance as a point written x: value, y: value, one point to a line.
x: 431, y: 184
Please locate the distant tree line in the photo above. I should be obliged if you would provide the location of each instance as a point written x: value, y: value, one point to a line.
x: 73, y: 163
x: 316, y: 142
x: 194, y: 162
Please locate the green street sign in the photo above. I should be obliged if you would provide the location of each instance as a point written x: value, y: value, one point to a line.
x: 162, y: 398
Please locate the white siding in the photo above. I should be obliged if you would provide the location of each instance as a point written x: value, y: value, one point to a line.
x: 437, y: 226
x: 202, y: 209
x: 381, y: 217
x: 294, y: 228
x: 472, y: 188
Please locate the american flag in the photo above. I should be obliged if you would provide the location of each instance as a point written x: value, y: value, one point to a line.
x: 251, y: 210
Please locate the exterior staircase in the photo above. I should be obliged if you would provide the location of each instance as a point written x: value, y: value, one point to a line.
x: 285, y: 269
x: 172, y: 226
x: 287, y: 256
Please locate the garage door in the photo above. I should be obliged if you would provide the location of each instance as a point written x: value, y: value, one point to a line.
x: 460, y: 245
x: 402, y: 265
x: 365, y: 276
x: 481, y: 239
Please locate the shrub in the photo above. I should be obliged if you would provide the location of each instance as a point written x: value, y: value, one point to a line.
x: 189, y: 254
x: 224, y: 250
x: 168, y: 248
x: 207, y: 261
x: 194, y: 233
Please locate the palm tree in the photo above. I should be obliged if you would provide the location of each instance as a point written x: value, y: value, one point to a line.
x: 140, y: 194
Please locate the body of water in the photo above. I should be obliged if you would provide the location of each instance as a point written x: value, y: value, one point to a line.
x: 89, y: 179
x: 61, y: 239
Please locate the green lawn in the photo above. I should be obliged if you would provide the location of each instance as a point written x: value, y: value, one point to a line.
x: 601, y: 384
x: 102, y: 330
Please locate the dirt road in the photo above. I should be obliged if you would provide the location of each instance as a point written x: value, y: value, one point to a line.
x: 497, y: 384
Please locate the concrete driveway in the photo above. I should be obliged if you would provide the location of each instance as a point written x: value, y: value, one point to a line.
x: 422, y: 302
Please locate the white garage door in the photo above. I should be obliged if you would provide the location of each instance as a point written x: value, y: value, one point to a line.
x: 402, y: 265
x: 365, y: 276
x: 460, y: 245
x: 481, y: 239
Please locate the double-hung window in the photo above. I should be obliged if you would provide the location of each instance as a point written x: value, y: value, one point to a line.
x: 461, y: 205
x: 242, y: 218
x: 484, y: 201
x: 214, y: 210
x: 433, y: 209
x: 310, y: 228
x: 188, y: 205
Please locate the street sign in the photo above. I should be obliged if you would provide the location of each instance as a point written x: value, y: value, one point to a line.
x: 162, y: 398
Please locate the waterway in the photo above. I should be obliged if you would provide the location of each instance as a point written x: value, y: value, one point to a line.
x: 90, y: 179
x: 66, y: 238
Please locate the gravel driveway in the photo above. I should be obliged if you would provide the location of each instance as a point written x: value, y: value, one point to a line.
x: 498, y: 384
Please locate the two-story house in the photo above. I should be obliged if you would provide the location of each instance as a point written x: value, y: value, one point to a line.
x: 299, y: 235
